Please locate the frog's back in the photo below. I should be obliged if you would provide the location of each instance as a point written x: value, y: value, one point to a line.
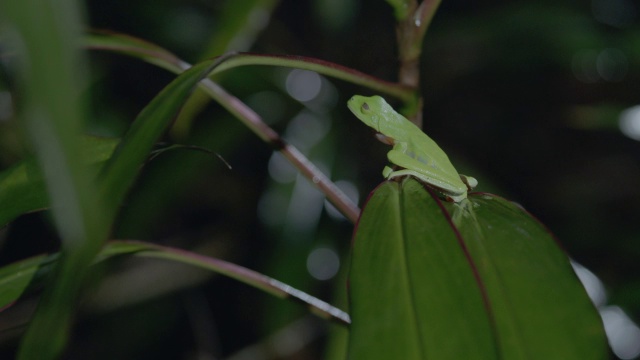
x: 436, y: 161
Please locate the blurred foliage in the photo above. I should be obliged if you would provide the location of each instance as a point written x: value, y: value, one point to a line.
x: 523, y: 95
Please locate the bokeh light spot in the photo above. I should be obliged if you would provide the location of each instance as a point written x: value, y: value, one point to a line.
x: 303, y: 85
x: 593, y: 285
x: 629, y: 122
x: 617, y: 13
x: 623, y: 334
x: 323, y: 263
x: 280, y: 169
x: 611, y: 64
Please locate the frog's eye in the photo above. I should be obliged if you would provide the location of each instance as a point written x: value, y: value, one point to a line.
x: 365, y: 107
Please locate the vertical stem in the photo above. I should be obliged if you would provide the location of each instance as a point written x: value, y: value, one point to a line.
x: 410, y: 32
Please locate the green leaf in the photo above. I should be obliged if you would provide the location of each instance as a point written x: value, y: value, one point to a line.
x: 477, y: 279
x: 135, y: 47
x: 122, y: 168
x: 413, y: 293
x: 539, y: 306
x: 253, y: 121
x: 50, y: 77
x: 22, y: 188
x: 153, y: 54
x: 17, y: 277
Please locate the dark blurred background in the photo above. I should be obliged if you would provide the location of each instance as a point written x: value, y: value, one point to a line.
x: 536, y: 99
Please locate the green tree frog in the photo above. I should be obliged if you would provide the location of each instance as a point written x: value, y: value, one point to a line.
x: 414, y: 153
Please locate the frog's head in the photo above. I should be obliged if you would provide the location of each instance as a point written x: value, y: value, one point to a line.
x: 368, y: 109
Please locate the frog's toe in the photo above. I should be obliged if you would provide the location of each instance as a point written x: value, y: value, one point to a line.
x: 471, y: 182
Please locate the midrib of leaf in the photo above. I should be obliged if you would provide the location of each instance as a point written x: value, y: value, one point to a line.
x: 409, y: 282
x: 490, y: 274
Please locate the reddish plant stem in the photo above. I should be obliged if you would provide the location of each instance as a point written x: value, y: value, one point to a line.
x: 410, y: 32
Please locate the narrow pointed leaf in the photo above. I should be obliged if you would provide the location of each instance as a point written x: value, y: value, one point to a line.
x: 253, y: 121
x: 413, y: 292
x: 22, y: 188
x: 16, y: 278
x: 135, y: 47
x: 156, y: 55
x: 49, y: 79
x: 121, y: 169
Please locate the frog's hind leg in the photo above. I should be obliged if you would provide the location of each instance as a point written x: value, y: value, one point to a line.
x: 390, y: 174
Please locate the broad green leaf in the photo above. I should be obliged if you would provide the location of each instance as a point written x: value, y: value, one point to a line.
x: 16, y: 278
x: 409, y: 243
x: 413, y: 292
x: 540, y: 309
x: 22, y: 188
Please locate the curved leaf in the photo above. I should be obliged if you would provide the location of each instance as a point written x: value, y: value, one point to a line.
x: 50, y: 76
x: 156, y: 55
x: 477, y: 279
x: 540, y: 308
x: 22, y: 188
x: 121, y: 169
x: 413, y: 293
x: 17, y: 277
x: 241, y: 111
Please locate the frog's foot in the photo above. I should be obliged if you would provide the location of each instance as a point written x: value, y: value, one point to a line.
x: 471, y: 182
x: 386, y: 172
x: 456, y: 198
x: 439, y: 188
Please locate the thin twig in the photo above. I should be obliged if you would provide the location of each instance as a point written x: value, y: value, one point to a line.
x: 255, y: 123
x: 165, y: 59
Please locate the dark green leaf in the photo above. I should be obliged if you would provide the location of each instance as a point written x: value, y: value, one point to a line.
x: 16, y: 277
x: 135, y: 47
x: 122, y: 168
x: 22, y: 188
x: 422, y: 268
x: 50, y: 76
x: 539, y: 306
